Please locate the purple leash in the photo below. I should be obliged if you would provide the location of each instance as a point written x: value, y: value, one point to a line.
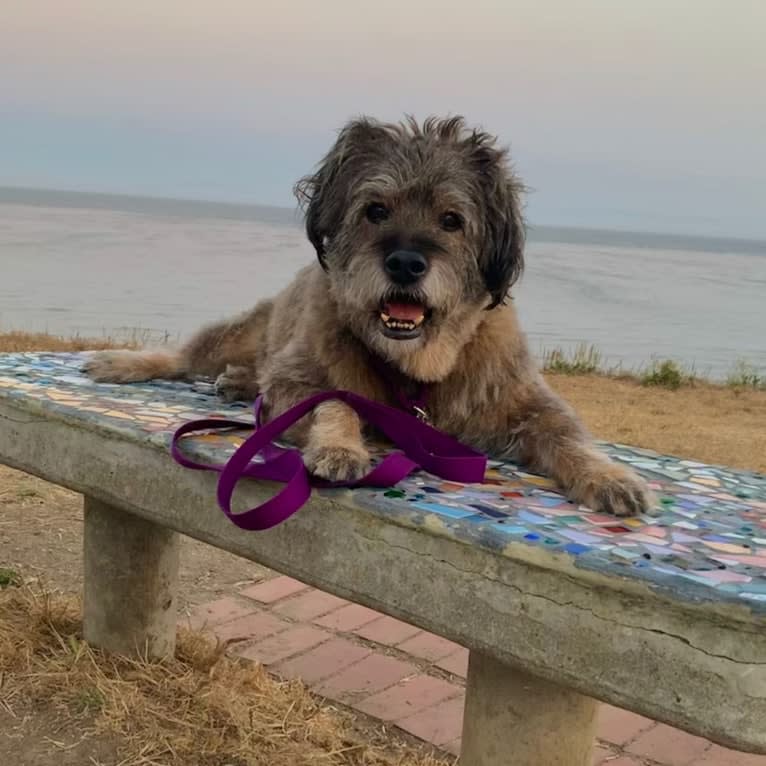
x: 422, y: 447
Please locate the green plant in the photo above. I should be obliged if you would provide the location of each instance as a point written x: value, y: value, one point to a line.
x: 667, y: 374
x: 9, y: 577
x: 584, y: 359
x: 745, y: 375
x: 89, y: 700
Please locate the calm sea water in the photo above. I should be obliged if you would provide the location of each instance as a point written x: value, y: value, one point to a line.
x: 94, y: 264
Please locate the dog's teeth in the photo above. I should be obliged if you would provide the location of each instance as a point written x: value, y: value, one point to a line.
x: 399, y: 324
x: 419, y: 320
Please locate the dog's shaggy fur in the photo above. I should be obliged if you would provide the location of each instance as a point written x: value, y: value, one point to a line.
x: 351, y: 321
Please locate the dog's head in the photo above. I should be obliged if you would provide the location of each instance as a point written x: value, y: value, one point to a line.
x: 419, y: 228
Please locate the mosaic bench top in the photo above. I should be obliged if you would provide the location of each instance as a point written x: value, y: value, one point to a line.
x: 704, y: 543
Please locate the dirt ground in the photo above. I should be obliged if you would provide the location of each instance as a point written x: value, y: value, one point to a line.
x: 41, y: 536
x: 37, y: 736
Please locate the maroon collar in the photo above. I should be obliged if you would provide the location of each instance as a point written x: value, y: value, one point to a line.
x: 410, y: 394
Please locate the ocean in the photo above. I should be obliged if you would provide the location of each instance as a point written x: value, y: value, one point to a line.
x: 95, y: 265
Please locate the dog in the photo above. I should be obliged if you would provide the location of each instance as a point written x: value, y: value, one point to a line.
x: 419, y: 236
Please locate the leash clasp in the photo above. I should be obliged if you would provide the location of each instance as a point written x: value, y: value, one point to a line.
x: 420, y: 414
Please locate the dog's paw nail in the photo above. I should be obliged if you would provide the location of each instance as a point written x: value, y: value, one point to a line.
x: 619, y: 491
x: 337, y: 463
x: 235, y: 384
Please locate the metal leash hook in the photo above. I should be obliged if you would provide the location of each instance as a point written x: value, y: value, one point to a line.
x: 421, y: 414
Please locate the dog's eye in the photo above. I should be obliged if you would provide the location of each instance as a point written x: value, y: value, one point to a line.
x: 376, y: 213
x: 451, y: 222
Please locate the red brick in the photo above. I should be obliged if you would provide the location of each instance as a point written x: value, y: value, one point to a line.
x: 308, y: 605
x: 408, y: 697
x: 619, y: 726
x: 274, y: 590
x: 456, y: 663
x: 438, y: 725
x: 348, y: 618
x: 323, y: 661
x: 293, y: 641
x: 256, y: 626
x: 387, y: 631
x: 372, y: 674
x: 720, y: 756
x: 429, y: 647
x: 217, y: 612
x: 668, y: 746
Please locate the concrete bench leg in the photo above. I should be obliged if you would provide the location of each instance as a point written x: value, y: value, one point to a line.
x: 515, y: 719
x: 131, y: 579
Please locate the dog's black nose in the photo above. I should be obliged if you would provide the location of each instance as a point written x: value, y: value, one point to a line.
x: 405, y: 266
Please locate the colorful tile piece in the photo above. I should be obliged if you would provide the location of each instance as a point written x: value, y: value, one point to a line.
x: 706, y: 540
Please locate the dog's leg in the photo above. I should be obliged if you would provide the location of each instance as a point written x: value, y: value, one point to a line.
x: 547, y: 436
x: 134, y: 366
x: 335, y: 448
x: 226, y: 351
x: 330, y: 438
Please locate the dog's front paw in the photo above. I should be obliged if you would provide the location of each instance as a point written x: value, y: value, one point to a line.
x: 113, y: 367
x: 612, y: 488
x: 337, y: 463
x: 236, y: 384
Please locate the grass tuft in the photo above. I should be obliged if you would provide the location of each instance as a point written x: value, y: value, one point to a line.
x: 667, y: 374
x: 745, y: 375
x: 585, y: 359
x: 8, y: 578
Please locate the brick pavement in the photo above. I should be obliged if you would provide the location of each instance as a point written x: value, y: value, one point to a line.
x: 405, y: 676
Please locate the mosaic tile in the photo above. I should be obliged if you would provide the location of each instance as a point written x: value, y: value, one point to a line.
x: 706, y: 539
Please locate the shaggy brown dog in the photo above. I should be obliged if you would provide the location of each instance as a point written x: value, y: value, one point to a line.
x: 419, y: 236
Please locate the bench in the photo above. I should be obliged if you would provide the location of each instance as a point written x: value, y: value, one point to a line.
x: 559, y: 607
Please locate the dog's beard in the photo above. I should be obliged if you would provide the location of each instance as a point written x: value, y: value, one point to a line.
x: 381, y: 313
x: 433, y: 318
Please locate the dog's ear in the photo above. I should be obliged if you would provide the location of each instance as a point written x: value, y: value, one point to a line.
x: 324, y: 194
x: 502, y: 257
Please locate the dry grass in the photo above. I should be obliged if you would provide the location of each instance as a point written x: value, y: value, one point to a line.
x: 17, y: 340
x: 714, y: 424
x: 199, y: 709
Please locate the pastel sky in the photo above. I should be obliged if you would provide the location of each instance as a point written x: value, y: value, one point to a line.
x: 636, y: 114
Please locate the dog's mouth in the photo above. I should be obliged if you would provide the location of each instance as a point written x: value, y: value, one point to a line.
x: 403, y: 319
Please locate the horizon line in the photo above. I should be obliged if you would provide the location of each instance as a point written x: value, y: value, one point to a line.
x: 284, y: 212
